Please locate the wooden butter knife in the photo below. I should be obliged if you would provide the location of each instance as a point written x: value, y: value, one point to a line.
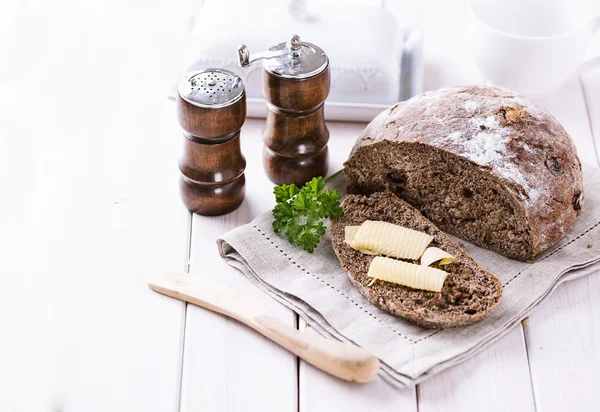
x: 344, y: 360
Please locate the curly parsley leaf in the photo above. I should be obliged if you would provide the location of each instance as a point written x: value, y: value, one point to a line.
x: 330, y: 203
x: 299, y: 213
x: 285, y: 192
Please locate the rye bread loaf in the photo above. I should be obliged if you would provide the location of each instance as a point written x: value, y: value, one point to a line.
x: 468, y: 294
x: 480, y: 162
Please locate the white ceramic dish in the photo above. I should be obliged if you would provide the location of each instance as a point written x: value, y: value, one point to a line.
x: 367, y: 75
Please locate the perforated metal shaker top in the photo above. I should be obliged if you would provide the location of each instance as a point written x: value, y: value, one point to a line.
x: 211, y: 88
x: 304, y: 60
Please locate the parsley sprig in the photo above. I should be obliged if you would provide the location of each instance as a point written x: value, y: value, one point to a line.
x: 299, y: 213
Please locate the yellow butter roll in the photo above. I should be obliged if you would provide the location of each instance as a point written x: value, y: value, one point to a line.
x: 383, y: 238
x: 407, y: 274
x: 433, y: 254
x: 349, y: 233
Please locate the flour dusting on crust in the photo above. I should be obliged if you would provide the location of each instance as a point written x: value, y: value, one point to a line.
x: 470, y: 106
x: 484, y: 134
x: 501, y: 133
x: 484, y: 141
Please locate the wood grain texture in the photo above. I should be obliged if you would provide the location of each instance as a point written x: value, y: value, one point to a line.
x: 342, y: 360
x: 212, y: 176
x: 298, y: 170
x: 212, y: 165
x: 496, y: 379
x: 89, y: 210
x: 563, y: 345
x: 448, y: 62
x: 214, y: 124
x: 295, y: 134
x: 320, y: 392
x: 445, y: 46
x: 562, y: 335
x: 222, y: 357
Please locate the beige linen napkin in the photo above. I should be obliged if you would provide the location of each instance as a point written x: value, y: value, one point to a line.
x: 315, y: 286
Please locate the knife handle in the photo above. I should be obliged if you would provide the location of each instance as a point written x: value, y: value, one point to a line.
x: 343, y: 360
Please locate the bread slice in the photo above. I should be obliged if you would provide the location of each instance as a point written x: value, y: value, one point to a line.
x: 469, y: 292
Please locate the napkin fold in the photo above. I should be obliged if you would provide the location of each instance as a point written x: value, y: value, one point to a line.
x: 318, y: 289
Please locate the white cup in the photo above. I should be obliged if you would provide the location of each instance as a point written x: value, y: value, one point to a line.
x: 531, y: 46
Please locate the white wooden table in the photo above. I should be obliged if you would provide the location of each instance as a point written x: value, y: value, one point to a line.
x: 90, y: 208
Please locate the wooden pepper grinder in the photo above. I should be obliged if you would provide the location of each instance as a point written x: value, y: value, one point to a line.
x: 211, y: 108
x: 296, y: 81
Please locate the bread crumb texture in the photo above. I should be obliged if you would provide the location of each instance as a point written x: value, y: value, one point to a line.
x: 481, y: 162
x: 468, y: 292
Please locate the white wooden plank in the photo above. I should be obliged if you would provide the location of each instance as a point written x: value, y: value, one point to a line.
x: 515, y: 378
x: 496, y: 379
x: 563, y: 343
x: 319, y: 391
x: 227, y: 366
x: 444, y: 49
x: 322, y: 392
x: 448, y: 62
x: 89, y: 210
x: 562, y: 335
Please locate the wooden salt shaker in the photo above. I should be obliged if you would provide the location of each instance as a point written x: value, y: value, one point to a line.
x: 296, y: 81
x: 211, y: 108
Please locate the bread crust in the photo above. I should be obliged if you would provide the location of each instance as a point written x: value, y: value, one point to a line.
x: 469, y: 292
x: 518, y: 144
